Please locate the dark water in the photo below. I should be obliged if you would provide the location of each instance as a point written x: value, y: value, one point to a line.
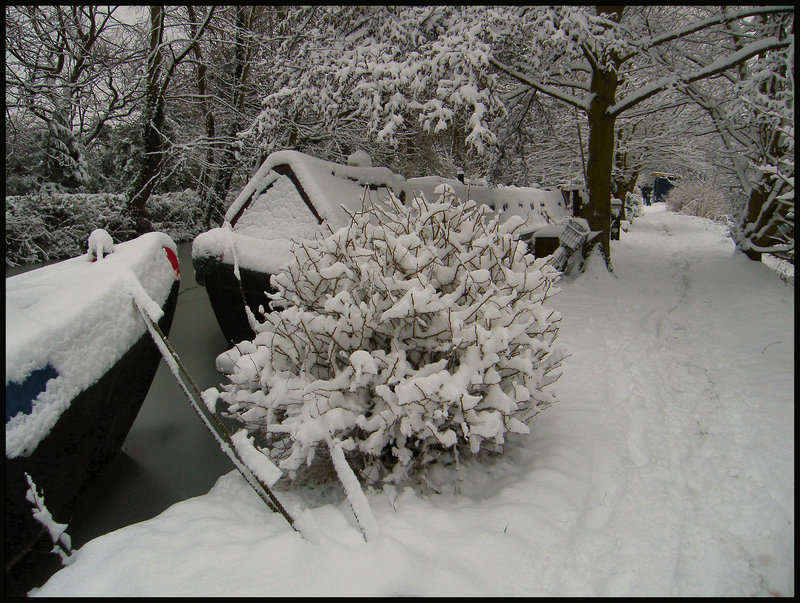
x: 169, y: 455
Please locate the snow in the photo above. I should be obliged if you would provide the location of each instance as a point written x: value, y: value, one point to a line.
x: 100, y: 244
x: 78, y: 317
x: 57, y: 531
x: 264, y: 255
x: 263, y: 468
x: 279, y: 212
x: 360, y: 158
x: 666, y: 468
x: 355, y: 495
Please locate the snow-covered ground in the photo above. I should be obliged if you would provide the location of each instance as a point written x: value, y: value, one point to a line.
x: 666, y: 467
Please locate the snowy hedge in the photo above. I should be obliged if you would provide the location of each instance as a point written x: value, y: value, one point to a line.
x: 54, y: 226
x: 701, y: 199
x: 416, y: 332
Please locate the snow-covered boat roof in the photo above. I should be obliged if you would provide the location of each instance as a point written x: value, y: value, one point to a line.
x: 293, y: 194
x: 325, y: 185
x: 290, y: 196
x: 77, y: 316
x: 538, y: 206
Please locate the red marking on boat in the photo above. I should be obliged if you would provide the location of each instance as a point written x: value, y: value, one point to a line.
x: 173, y: 259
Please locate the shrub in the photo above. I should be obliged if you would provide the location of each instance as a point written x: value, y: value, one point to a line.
x: 416, y: 333
x: 700, y: 199
x: 53, y: 226
x: 180, y: 214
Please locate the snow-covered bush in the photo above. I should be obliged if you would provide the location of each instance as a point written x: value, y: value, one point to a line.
x: 701, y: 199
x: 45, y: 227
x: 417, y: 332
x: 633, y: 206
x: 178, y: 214
x: 54, y: 226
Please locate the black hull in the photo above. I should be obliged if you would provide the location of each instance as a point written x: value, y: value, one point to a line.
x: 225, y: 295
x: 85, y: 438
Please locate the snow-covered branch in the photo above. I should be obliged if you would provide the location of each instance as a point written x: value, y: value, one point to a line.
x: 549, y: 90
x: 728, y: 15
x: 416, y: 332
x: 62, y: 544
x: 718, y: 66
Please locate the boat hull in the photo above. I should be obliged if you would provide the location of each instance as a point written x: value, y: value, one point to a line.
x: 84, y: 439
x: 225, y: 294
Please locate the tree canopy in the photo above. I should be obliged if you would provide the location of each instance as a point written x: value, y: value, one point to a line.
x: 195, y: 97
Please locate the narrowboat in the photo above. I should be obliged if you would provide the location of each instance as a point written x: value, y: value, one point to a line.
x: 79, y: 363
x: 291, y: 196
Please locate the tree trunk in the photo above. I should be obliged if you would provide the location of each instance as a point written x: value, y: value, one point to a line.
x: 208, y: 114
x: 601, y: 160
x: 602, y: 132
x: 153, y: 155
x: 764, y: 210
x: 763, y: 215
x: 153, y: 121
x: 228, y: 152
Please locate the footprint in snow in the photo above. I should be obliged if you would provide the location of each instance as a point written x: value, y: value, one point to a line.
x: 636, y: 444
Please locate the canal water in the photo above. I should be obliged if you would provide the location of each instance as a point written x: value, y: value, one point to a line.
x: 169, y: 455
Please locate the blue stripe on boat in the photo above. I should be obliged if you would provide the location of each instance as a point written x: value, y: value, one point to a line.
x: 20, y: 397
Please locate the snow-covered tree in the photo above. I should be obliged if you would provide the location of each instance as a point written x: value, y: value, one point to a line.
x: 410, y: 79
x: 67, y: 75
x: 232, y: 54
x: 445, y: 67
x: 163, y: 58
x: 608, y: 60
x: 754, y: 118
x: 417, y: 332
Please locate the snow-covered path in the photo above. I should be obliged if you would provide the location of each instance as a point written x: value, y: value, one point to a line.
x: 687, y: 404
x: 666, y: 468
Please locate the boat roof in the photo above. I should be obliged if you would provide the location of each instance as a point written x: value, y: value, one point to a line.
x: 537, y: 206
x: 293, y: 194
x: 325, y: 187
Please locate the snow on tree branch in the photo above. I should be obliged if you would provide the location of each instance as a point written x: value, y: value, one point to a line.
x: 396, y: 66
x: 554, y: 92
x: 721, y: 64
x: 726, y: 16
